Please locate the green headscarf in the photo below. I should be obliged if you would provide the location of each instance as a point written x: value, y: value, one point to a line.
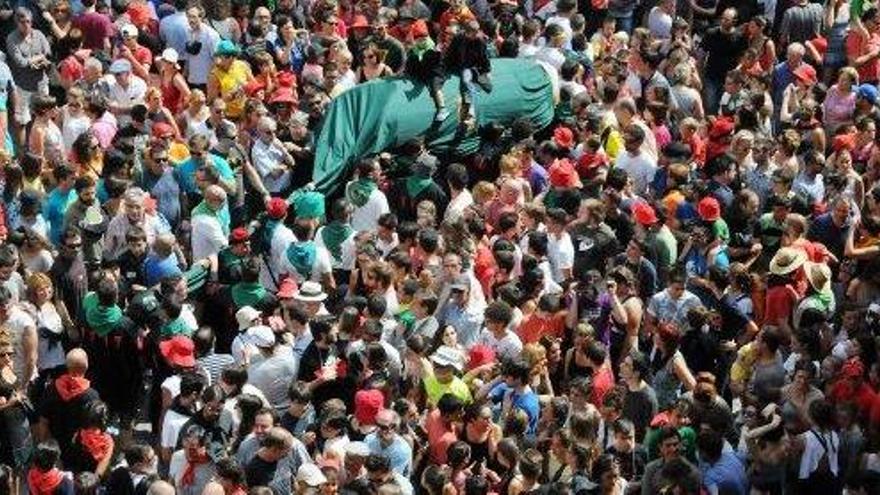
x: 421, y: 47
x: 308, y: 204
x: 359, y: 191
x: 204, y: 209
x: 302, y: 256
x: 333, y: 235
x: 247, y: 294
x: 415, y: 185
x: 175, y: 327
x: 101, y: 319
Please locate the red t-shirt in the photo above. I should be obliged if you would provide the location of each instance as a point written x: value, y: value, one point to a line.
x: 779, y: 303
x: 533, y: 327
x: 95, y: 28
x: 603, y: 382
x: 856, y: 46
x: 440, y: 437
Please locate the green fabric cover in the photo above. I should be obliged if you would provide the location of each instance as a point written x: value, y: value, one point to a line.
x: 383, y: 114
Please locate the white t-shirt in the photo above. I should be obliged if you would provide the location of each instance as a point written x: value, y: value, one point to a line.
x: 277, y: 258
x: 207, y: 237
x: 348, y: 251
x: 639, y: 168
x: 171, y: 425
x: 507, y: 347
x: 366, y: 217
x: 457, y: 206
x: 560, y: 252
x: 18, y: 322
x: 323, y: 264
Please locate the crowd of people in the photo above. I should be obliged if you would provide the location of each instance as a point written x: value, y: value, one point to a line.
x: 673, y: 288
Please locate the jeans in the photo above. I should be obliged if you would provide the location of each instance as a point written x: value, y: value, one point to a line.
x: 712, y: 91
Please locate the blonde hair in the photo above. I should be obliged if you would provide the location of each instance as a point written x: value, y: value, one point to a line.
x: 484, y: 191
x: 509, y: 164
x: 534, y: 353
x: 851, y: 73
x: 35, y: 282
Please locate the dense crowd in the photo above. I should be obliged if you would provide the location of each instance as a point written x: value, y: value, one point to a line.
x: 673, y: 287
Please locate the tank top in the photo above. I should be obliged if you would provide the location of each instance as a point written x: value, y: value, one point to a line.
x: 479, y: 450
x: 172, y: 97
x: 231, y: 81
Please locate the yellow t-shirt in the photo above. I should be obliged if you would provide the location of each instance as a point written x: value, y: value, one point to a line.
x: 232, y: 84
x: 457, y: 387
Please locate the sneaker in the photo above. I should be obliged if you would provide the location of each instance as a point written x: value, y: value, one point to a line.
x: 442, y: 114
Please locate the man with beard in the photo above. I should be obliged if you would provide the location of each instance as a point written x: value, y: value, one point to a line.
x: 208, y: 418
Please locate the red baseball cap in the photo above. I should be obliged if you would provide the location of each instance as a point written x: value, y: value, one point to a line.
x: 179, y: 351
x: 367, y: 404
x: 563, y: 137
x: 644, y: 213
x: 277, y: 208
x: 709, y: 209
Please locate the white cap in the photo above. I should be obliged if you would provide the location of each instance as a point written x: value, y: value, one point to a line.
x: 310, y: 291
x: 261, y: 336
x: 169, y: 55
x: 311, y: 475
x: 245, y: 317
x: 359, y: 449
x: 129, y: 31
x: 447, y: 356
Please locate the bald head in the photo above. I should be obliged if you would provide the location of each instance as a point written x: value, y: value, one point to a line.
x: 160, y: 488
x: 77, y: 362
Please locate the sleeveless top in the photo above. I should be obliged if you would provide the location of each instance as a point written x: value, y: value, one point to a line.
x: 172, y: 97
x: 479, y: 450
x: 666, y: 383
x: 231, y: 81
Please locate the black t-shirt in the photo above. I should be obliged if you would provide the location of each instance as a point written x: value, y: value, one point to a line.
x: 260, y: 472
x: 66, y: 417
x: 724, y: 50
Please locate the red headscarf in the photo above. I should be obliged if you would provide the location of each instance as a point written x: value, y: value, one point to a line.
x: 70, y: 387
x: 96, y: 442
x: 43, y: 483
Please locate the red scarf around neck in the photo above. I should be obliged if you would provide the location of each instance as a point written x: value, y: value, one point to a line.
x: 97, y: 443
x: 43, y: 483
x: 70, y: 387
x: 192, y: 462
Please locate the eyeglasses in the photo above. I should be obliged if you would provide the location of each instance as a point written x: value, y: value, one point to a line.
x: 7, y: 353
x: 385, y: 427
x: 161, y: 159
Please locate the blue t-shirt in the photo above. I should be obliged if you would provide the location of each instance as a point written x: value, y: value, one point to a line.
x: 527, y: 402
x: 185, y: 173
x: 54, y: 209
x: 727, y: 475
x: 156, y: 268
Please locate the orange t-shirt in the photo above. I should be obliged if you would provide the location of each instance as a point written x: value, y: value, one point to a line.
x: 440, y: 437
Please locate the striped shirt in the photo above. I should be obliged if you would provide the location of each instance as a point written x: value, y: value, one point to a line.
x: 801, y: 23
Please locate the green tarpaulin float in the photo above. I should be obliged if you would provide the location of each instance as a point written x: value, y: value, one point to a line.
x: 383, y: 114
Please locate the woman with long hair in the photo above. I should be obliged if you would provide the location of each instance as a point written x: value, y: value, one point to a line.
x: 46, y: 139
x: 173, y: 86
x: 74, y: 119
x: 15, y: 438
x: 480, y: 432
x: 671, y: 372
x: 576, y: 361
x: 87, y: 155
x: 373, y: 66
x: 51, y: 318
x: 157, y: 112
x: 194, y: 118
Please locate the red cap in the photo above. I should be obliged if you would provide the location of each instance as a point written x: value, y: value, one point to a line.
x: 844, y: 142
x: 139, y: 13
x: 367, y: 404
x: 162, y: 130
x: 239, y: 234
x: 644, y: 213
x: 720, y: 128
x: 277, y: 208
x: 179, y: 351
x: 709, y: 209
x: 806, y: 74
x: 359, y: 21
x: 479, y: 355
x: 286, y: 79
x: 254, y: 87
x: 419, y: 29
x: 563, y: 174
x: 563, y: 137
x: 283, y: 95
x: 286, y: 289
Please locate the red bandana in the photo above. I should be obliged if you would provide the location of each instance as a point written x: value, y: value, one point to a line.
x: 96, y: 442
x: 70, y: 387
x: 192, y: 462
x: 43, y: 483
